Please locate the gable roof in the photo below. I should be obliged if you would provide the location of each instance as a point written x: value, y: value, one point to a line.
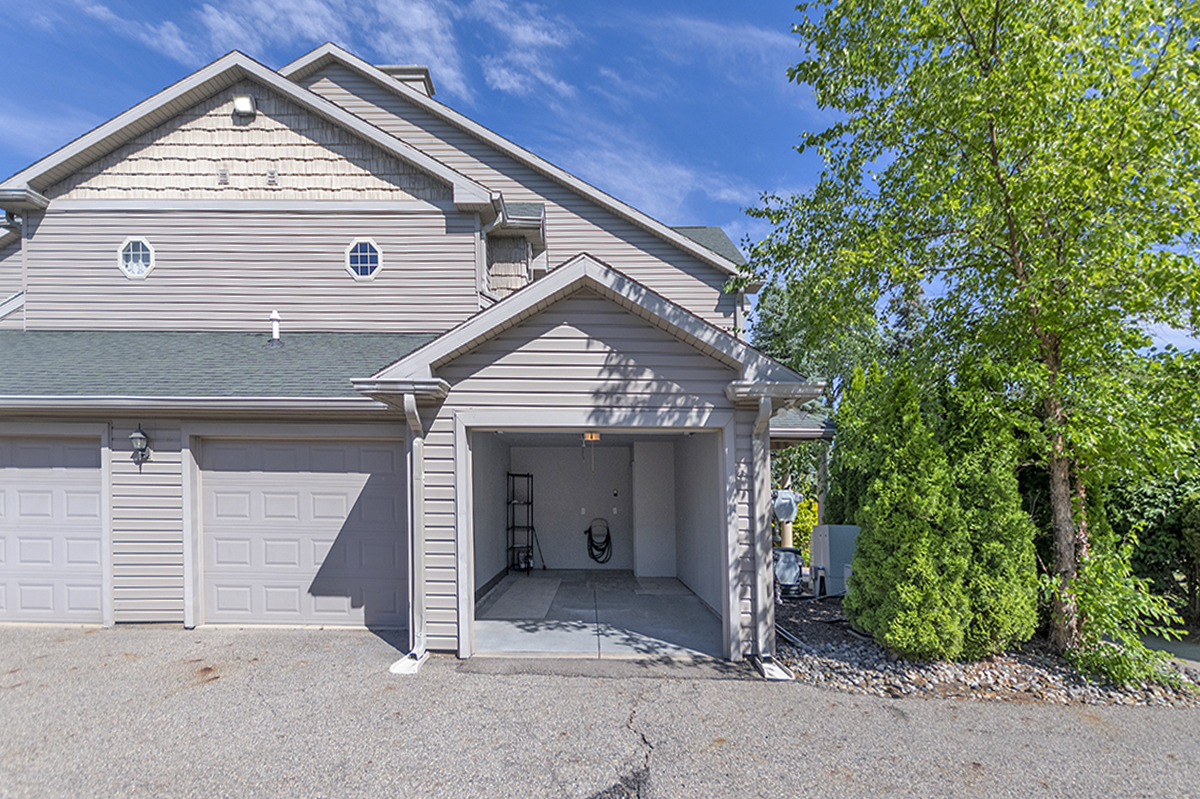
x: 714, y: 238
x: 225, y: 71
x: 40, y: 364
x: 330, y: 53
x: 758, y: 375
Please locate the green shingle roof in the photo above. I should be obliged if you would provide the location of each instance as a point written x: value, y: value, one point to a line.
x: 714, y: 239
x: 151, y: 364
x: 525, y: 210
x: 794, y: 420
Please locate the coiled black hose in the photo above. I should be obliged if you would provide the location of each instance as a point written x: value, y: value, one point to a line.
x: 599, y: 550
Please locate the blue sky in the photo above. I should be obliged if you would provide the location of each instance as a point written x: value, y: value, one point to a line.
x: 682, y: 109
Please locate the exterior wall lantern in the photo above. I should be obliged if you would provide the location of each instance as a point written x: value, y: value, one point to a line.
x: 141, y: 447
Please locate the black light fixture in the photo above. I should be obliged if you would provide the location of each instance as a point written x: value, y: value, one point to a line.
x: 141, y: 447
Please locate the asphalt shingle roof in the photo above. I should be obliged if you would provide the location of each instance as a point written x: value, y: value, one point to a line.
x: 794, y: 420
x: 153, y: 364
x: 714, y: 239
x: 525, y: 210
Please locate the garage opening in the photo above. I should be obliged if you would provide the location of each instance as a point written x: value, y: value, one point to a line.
x: 655, y: 590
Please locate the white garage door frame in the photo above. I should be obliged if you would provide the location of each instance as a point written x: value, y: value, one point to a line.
x: 719, y: 421
x: 192, y: 438
x: 102, y: 433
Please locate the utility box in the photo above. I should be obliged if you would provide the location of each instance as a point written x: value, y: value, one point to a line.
x: 832, y: 550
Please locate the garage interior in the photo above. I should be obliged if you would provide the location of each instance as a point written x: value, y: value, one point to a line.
x: 657, y: 594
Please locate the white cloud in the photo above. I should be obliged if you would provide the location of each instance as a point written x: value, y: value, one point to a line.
x: 648, y: 179
x: 29, y: 133
x: 252, y: 25
x: 165, y: 38
x: 528, y: 38
x: 419, y: 32
x: 399, y: 31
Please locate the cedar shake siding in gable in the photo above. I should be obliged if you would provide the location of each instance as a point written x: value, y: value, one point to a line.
x: 313, y: 159
x: 218, y: 270
x: 574, y: 224
x: 581, y: 352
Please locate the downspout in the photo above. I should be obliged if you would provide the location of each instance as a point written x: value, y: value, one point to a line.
x: 739, y: 316
x: 415, y: 439
x: 764, y: 569
x: 500, y: 220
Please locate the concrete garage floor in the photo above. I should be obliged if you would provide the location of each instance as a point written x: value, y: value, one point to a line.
x: 595, y: 614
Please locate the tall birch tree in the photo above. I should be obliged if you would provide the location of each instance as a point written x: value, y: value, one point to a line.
x: 1034, y: 167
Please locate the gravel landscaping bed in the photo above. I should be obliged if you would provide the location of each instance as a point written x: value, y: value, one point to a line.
x: 827, y: 653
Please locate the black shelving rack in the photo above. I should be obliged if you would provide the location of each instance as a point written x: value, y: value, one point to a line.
x: 522, y: 538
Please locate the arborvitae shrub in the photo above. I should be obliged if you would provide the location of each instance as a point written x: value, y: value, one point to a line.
x: 1001, y: 578
x: 906, y: 587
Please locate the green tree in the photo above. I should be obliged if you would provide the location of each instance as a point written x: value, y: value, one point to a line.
x: 1035, y: 165
x: 1001, y: 582
x: 907, y: 583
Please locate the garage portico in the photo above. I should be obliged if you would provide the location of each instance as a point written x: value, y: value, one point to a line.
x: 586, y: 349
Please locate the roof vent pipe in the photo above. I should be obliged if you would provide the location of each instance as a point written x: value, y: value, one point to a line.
x: 275, y: 343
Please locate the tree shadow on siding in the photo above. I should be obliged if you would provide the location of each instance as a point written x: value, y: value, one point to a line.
x: 366, y: 565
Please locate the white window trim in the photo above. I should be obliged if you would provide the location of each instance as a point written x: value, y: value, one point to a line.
x: 121, y: 257
x: 378, y: 251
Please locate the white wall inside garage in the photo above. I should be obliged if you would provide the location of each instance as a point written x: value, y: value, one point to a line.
x: 570, y: 489
x: 490, y: 463
x: 654, y: 509
x: 699, y: 516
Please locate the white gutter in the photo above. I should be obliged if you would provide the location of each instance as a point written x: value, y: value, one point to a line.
x: 415, y: 440
x: 40, y: 402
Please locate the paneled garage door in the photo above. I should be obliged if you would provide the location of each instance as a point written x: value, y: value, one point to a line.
x: 304, y: 533
x: 51, y: 530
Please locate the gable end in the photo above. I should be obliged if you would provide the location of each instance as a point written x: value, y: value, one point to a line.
x: 282, y: 152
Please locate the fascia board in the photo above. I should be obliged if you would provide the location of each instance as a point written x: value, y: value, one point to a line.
x: 386, y: 391
x: 44, y: 402
x: 223, y: 72
x: 580, y: 272
x: 12, y: 304
x: 331, y: 52
x: 800, y: 434
x: 744, y: 391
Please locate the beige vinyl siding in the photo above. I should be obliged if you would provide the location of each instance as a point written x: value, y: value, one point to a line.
x: 147, y: 525
x: 573, y: 223
x: 228, y: 270
x: 744, y: 424
x: 10, y: 282
x: 581, y: 352
x: 313, y: 159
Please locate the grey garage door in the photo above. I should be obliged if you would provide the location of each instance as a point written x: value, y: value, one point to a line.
x: 51, y: 530
x: 304, y: 533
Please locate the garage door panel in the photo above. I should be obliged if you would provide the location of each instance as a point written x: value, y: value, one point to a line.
x: 51, y: 530
x: 299, y: 533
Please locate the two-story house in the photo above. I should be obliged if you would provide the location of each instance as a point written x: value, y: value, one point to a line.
x: 336, y: 314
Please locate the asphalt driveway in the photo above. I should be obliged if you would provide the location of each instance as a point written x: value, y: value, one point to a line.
x: 164, y: 712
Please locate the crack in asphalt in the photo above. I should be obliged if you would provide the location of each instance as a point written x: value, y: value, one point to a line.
x: 635, y: 785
